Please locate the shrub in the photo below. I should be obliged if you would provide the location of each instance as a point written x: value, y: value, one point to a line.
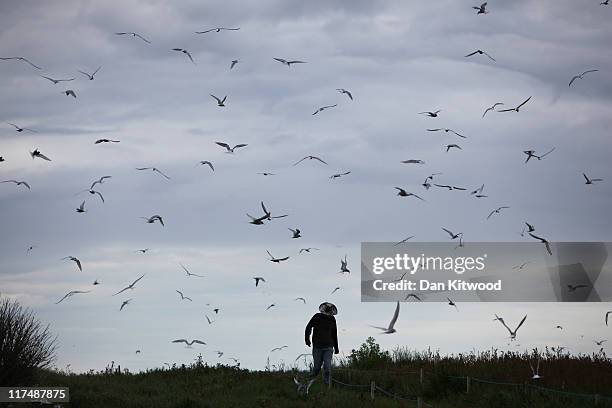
x: 25, y: 344
x: 369, y: 355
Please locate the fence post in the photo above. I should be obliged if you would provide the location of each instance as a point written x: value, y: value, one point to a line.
x: 421, y: 377
x: 349, y: 375
x: 467, y: 385
x: 330, y: 378
x: 419, y: 402
x: 596, y: 399
x: 372, y: 389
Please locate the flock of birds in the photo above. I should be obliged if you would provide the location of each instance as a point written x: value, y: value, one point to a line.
x: 266, y: 215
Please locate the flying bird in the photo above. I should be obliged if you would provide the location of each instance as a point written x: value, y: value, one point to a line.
x: 338, y: 175
x: 544, y: 241
x: 220, y: 102
x: 72, y: 293
x: 276, y: 260
x: 491, y: 108
x: 480, y: 52
x: 478, y: 191
x: 296, y: 232
x: 288, y: 63
x: 208, y: 319
x: 21, y: 129
x: 413, y: 161
x: 187, y: 53
x: 453, y: 145
x: 70, y: 92
x: 452, y: 234
x: 91, y: 76
x: 183, y: 297
x: 217, y: 30
x: 517, y: 108
x: 233, y: 64
x: 153, y: 218
x: 130, y: 286
x: 258, y: 279
x: 142, y: 251
x: 231, y: 149
x: 431, y: 114
x: 451, y: 303
x: 19, y: 183
x: 99, y: 181
x: 310, y: 158
x: 322, y: 108
x: 345, y: 92
x: 337, y: 288
x: 482, y: 9
x: 135, y: 35
x: 106, y: 141
x: 580, y: 76
x: 590, y: 180
x: 270, y: 307
x: 155, y: 169
x: 81, y: 208
x: 449, y: 187
x: 75, y: 260
x: 37, y: 153
x: 278, y: 348
x: 20, y: 59
x: 206, y: 162
x: 413, y: 295
x: 391, y: 328
x: 532, y: 153
x: 189, y: 343
x: 300, y: 298
x: 608, y: 314
x: 344, y: 265
x: 599, y: 342
x: 512, y: 332
x: 446, y: 131
x: 124, y: 304
x: 496, y: 211
x: 308, y: 249
x: 404, y: 193
x: 573, y: 288
x: 403, y: 240
x: 189, y: 273
x: 535, y: 373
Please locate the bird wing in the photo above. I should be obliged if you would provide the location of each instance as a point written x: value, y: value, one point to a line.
x: 122, y: 290
x: 470, y: 54
x: 269, y: 254
x: 222, y: 144
x: 488, y: 55
x: 198, y: 342
x: 319, y: 159
x: 217, y: 99
x: 526, y: 100
x: 157, y: 170
x: 240, y: 145
x: 78, y: 262
x: 180, y: 341
x: 395, y: 316
x: 96, y: 71
x: 449, y: 232
x: 520, y: 324
x: 590, y: 70
x: 378, y: 327
x: 189, y: 55
x: 506, y: 110
x: 100, y: 194
x: 548, y: 152
x: 281, y: 60
x: 133, y: 283
x: 299, y: 161
x: 434, y: 130
x: 491, y: 214
x: 142, y: 38
x: 205, y: 31
x: 85, y: 73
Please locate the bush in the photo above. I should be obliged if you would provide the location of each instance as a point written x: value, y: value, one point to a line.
x: 25, y: 344
x: 369, y: 355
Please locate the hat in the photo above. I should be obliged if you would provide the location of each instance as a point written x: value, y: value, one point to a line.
x: 328, y: 308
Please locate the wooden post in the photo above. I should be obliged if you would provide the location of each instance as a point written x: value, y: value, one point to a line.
x: 349, y: 375
x: 421, y: 376
x: 330, y: 378
x: 419, y: 402
x: 372, y: 389
x: 596, y: 399
x: 467, y: 385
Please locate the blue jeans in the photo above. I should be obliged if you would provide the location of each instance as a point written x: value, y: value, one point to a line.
x: 322, y: 356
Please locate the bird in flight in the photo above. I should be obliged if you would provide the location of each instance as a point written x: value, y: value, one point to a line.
x: 535, y: 373
x: 590, y: 180
x: 155, y: 169
x: 413, y: 161
x: 75, y: 260
x: 480, y: 52
x: 512, y: 332
x: 57, y: 81
x: 81, y: 208
x: 258, y: 279
x: 344, y: 265
x: 517, y: 108
x: 270, y: 307
x: 99, y: 181
x: 19, y: 183
x: 278, y: 348
x: 276, y: 260
x: 451, y: 303
x: 345, y: 92
x: 153, y: 218
x: 605, y: 3
x: 189, y: 343
x: 183, y: 297
x: 124, y: 304
x: 573, y: 288
x: 338, y: 175
x: 130, y: 286
x: 532, y: 153
x: 70, y: 92
x: 208, y: 319
x: 496, y: 211
x: 452, y: 234
x: 20, y: 59
x: 521, y: 266
x: 189, y: 273
x: 544, y: 241
x: 106, y: 141
x: 482, y: 9
x: 322, y: 108
x: 233, y: 64
x: 580, y: 76
x: 142, y: 251
x: 337, y: 288
x: 413, y: 295
x: 220, y: 102
x: 447, y: 130
x: 308, y: 249
x: 72, y: 293
x: 608, y: 314
x: 300, y: 298
x: 391, y: 328
x: 91, y: 76
x: 206, y: 162
x: 288, y: 63
x: 310, y: 158
x: 491, y: 108
x: 478, y: 192
x: 217, y: 30
x: 599, y: 342
x: 37, y: 153
x: 431, y: 114
x: 403, y: 240
x: 135, y: 35
x: 450, y: 188
x: 452, y: 145
x: 296, y: 232
x: 187, y: 53
x: 404, y: 193
x: 231, y: 149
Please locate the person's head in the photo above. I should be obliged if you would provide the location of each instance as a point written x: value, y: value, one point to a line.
x: 328, y: 309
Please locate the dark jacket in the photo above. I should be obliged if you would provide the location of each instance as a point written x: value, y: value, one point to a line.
x: 324, y: 330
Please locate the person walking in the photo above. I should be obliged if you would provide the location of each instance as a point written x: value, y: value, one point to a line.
x: 324, y: 339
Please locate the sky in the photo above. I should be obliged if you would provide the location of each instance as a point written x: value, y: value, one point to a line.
x: 397, y: 59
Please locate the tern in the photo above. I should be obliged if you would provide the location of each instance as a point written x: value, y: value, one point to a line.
x: 270, y: 307
x: 268, y: 214
x: 276, y: 260
x: 513, y: 332
x: 310, y: 158
x: 19, y: 183
x: 189, y: 273
x: 480, y: 52
x: 278, y: 348
x: 308, y: 249
x: 75, y: 260
x: 142, y: 251
x: 106, y: 141
x: 183, y: 297
x: 453, y: 145
x: 573, y: 288
x: 608, y: 314
x: 559, y: 327
x: 413, y: 161
x: 413, y: 295
x: 37, y: 153
x: 303, y: 388
x: 345, y: 92
x: 81, y: 208
x: 431, y: 114
x: 20, y: 59
x: 70, y: 92
x: 300, y: 298
x: 452, y: 234
x: 153, y: 218
x: 288, y: 63
x: 446, y: 131
x: 296, y: 232
x: 599, y: 342
x: 344, y: 265
x: 217, y: 30
x: 337, y: 288
x: 590, y: 180
x: 496, y: 211
x: 404, y: 193
x: 521, y: 266
x: 130, y: 286
x: 233, y: 64
x: 189, y: 343
x: 21, y: 129
x: 258, y: 279
x: 478, y: 191
x: 187, y: 53
x: 451, y: 303
x: 135, y: 35
x: 206, y: 162
x: 391, y: 328
x: 491, y: 108
x: 265, y: 173
x: 449, y: 187
x: 91, y: 76
x: 517, y: 108
x: 91, y: 191
x: 482, y: 9
x: 532, y: 153
x: 155, y: 169
x: 544, y: 241
x: 230, y: 149
x: 535, y: 372
x: 403, y: 240
x: 72, y: 293
x: 208, y: 319
x: 580, y: 76
x: 219, y: 353
x: 220, y: 102
x: 322, y: 108
x: 124, y: 304
x: 338, y: 175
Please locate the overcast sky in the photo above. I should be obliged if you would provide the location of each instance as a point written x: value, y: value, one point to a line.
x: 397, y: 58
